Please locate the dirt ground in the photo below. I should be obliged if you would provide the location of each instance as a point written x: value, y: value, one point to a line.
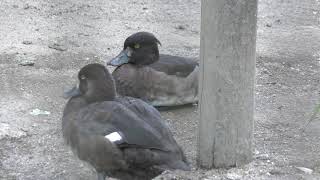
x: 45, y: 42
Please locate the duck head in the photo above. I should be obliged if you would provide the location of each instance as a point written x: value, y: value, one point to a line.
x: 140, y: 48
x: 95, y: 84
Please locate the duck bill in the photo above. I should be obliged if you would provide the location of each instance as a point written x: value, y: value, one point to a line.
x: 74, y: 91
x: 122, y: 58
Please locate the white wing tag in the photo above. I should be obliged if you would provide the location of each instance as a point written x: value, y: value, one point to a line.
x: 113, y: 137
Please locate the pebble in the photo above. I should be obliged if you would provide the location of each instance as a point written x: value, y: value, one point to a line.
x: 26, y: 7
x: 26, y: 63
x: 275, y: 172
x: 57, y: 47
x: 263, y: 157
x: 27, y: 42
x: 181, y: 27
x: 233, y: 176
x: 305, y: 170
x: 36, y: 112
x: 278, y: 21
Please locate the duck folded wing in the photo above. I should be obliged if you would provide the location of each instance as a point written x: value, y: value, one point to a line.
x: 101, y: 154
x: 174, y: 65
x: 149, y: 115
x: 156, y: 87
x: 120, y: 125
x: 152, y: 116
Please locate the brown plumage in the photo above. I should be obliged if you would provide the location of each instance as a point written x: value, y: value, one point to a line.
x: 160, y: 80
x: 122, y: 137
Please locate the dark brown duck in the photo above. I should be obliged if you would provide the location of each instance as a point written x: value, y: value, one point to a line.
x: 160, y: 80
x: 124, y: 138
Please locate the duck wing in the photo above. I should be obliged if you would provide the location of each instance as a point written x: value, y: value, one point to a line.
x: 174, y: 65
x: 152, y: 116
x: 112, y: 136
x: 110, y: 119
x: 149, y: 115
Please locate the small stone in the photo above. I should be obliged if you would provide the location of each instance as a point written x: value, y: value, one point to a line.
x: 263, y: 157
x: 181, y: 27
x: 280, y: 107
x: 272, y: 83
x: 26, y: 63
x: 305, y: 170
x: 275, y: 172
x: 278, y: 21
x: 233, y: 176
x: 269, y: 25
x: 256, y: 152
x: 26, y: 7
x: 36, y: 112
x: 83, y: 34
x: 57, y: 47
x: 27, y: 42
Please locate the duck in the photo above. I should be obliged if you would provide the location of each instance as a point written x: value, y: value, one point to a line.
x: 158, y: 79
x: 120, y: 137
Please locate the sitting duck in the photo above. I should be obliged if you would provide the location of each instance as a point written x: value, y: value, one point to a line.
x: 121, y: 137
x: 160, y: 80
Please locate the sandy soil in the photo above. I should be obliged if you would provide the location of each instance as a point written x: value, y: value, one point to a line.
x: 58, y: 37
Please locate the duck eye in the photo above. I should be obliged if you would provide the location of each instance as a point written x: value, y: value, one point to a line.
x: 136, y: 46
x: 82, y: 77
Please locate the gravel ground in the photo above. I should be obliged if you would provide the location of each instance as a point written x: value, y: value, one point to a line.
x: 44, y: 44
